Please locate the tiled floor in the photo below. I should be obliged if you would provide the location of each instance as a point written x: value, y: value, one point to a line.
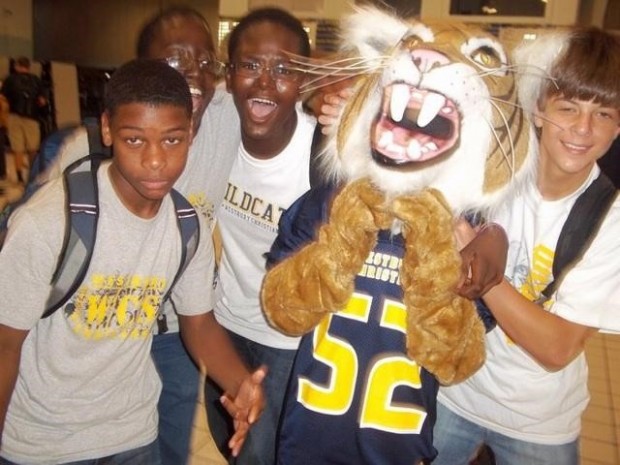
x: 600, y: 438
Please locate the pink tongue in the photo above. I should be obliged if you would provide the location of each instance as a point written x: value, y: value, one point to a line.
x: 260, y: 110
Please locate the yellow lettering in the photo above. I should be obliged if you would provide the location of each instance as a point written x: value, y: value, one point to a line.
x: 97, y: 306
x: 121, y: 309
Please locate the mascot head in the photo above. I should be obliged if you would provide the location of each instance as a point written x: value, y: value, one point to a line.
x: 437, y: 107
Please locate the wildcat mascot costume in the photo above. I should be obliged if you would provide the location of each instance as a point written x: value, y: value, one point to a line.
x: 365, y: 266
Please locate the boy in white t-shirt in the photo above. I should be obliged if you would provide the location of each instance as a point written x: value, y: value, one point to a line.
x: 80, y: 385
x: 527, y: 400
x: 271, y: 169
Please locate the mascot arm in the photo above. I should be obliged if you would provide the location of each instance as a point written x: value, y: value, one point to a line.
x: 444, y: 333
x: 319, y: 278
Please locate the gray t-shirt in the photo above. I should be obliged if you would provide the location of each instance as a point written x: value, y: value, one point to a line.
x: 205, y: 177
x: 87, y: 386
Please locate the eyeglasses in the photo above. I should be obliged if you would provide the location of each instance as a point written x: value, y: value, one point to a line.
x: 279, y: 72
x: 184, y: 63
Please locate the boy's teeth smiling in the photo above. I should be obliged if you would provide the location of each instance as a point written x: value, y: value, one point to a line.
x: 575, y: 147
x: 196, y: 97
x: 261, y: 107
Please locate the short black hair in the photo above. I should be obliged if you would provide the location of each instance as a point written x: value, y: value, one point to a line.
x: 150, y: 30
x: 270, y: 15
x: 152, y: 82
x: 23, y: 61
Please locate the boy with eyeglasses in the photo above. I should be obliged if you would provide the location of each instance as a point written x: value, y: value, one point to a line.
x: 270, y: 171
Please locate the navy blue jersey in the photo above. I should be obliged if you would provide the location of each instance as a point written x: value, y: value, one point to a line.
x: 354, y: 396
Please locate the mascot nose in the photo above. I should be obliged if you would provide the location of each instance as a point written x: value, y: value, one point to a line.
x: 426, y: 59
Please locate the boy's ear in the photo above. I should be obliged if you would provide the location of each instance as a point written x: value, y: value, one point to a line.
x: 106, y: 132
x: 538, y: 122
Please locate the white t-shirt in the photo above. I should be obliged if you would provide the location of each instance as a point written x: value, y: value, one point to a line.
x: 512, y: 394
x: 258, y: 192
x: 87, y: 386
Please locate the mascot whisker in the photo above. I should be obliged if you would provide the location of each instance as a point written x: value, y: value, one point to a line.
x: 367, y: 265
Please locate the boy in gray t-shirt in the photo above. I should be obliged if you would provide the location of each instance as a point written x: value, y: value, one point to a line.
x: 81, y: 385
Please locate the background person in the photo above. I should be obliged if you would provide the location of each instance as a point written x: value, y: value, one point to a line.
x: 26, y: 96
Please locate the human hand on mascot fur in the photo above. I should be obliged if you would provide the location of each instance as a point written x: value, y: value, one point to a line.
x: 319, y: 278
x: 483, y: 253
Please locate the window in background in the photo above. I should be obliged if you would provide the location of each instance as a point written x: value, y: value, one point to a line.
x: 498, y: 7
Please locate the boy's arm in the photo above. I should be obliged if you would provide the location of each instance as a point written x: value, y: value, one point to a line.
x: 211, y: 348
x: 11, y: 341
x: 550, y: 339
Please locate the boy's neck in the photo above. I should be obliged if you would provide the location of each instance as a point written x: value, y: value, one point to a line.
x: 265, y: 149
x: 554, y: 184
x: 141, y: 207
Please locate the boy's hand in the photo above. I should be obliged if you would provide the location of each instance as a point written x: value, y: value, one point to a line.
x: 331, y: 108
x: 245, y: 408
x: 484, y: 258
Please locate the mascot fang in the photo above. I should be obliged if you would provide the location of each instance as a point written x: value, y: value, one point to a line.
x: 368, y: 268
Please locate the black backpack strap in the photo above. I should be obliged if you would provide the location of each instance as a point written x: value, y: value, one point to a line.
x: 187, y: 220
x: 318, y: 140
x: 82, y: 206
x: 580, y: 228
x: 95, y: 143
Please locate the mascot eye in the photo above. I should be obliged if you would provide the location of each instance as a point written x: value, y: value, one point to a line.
x: 486, y: 54
x: 486, y: 57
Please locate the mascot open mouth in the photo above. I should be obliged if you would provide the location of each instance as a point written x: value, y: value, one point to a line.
x: 414, y: 125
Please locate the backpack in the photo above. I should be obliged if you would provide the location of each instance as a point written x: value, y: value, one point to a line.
x: 580, y: 229
x: 47, y: 154
x: 82, y: 203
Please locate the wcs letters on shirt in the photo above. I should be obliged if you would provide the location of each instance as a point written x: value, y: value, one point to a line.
x: 119, y: 306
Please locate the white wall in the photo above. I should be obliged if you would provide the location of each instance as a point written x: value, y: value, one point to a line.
x: 16, y: 28
x: 66, y: 98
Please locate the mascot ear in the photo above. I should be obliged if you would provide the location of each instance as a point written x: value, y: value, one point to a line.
x: 533, y: 61
x: 359, y: 35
